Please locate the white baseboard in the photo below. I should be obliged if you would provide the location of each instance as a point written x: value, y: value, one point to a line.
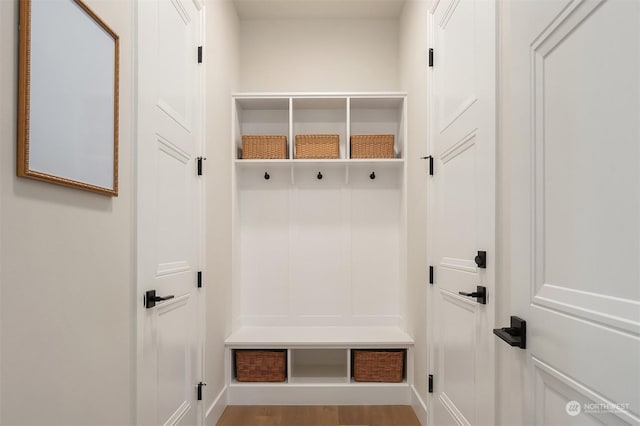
x: 319, y: 394
x: 419, y: 406
x: 214, y: 412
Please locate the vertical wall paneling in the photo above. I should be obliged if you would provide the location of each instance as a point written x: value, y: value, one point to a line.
x: 320, y: 252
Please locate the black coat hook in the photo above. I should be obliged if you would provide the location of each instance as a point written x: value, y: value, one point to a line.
x: 267, y: 176
x: 319, y: 175
x: 372, y: 176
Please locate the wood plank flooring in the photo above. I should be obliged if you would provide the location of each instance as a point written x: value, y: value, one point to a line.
x: 317, y: 415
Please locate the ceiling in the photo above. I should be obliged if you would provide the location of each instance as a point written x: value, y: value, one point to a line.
x: 319, y: 9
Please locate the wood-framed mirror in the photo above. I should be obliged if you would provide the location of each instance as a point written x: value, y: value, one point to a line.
x: 68, y: 96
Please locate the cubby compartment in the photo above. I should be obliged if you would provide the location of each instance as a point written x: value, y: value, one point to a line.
x: 383, y: 115
x: 321, y: 116
x: 319, y: 366
x: 262, y: 116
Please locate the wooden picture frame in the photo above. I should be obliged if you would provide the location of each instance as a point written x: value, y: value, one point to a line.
x: 67, y: 96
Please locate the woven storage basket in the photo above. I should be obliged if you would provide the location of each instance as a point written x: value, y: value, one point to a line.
x: 378, y: 366
x: 372, y: 146
x: 260, y: 366
x: 264, y: 146
x: 317, y: 146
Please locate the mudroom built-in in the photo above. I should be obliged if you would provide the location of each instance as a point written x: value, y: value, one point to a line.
x: 320, y: 269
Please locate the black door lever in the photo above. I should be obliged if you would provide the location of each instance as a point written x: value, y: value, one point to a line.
x: 150, y: 298
x: 516, y: 335
x: 480, y: 294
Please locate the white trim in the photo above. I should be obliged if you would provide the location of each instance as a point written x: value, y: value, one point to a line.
x: 323, y: 336
x: 616, y: 313
x: 419, y: 407
x: 137, y: 314
x: 215, y: 410
x: 240, y: 95
x: 201, y: 293
x: 306, y: 394
x: 430, y: 256
x: 198, y: 4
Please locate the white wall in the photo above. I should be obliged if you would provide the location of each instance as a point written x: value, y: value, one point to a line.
x: 221, y: 58
x: 330, y: 55
x: 413, y: 65
x: 66, y: 271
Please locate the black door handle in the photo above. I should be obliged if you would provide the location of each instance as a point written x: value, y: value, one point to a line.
x: 480, y: 294
x: 516, y: 335
x: 150, y: 298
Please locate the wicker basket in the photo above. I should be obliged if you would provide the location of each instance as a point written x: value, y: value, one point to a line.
x: 261, y: 365
x: 317, y: 146
x: 372, y: 146
x: 378, y: 366
x: 264, y: 146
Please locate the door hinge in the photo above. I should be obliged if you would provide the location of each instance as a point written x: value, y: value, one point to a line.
x: 200, y: 385
x: 430, y: 158
x: 431, y: 57
x: 200, y: 159
x: 430, y: 274
x: 199, y: 279
x: 430, y: 383
x: 199, y: 54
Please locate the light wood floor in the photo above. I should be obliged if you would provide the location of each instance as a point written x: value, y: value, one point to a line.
x: 315, y: 415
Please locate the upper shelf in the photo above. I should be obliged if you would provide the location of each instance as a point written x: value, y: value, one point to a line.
x: 339, y: 161
x: 291, y: 114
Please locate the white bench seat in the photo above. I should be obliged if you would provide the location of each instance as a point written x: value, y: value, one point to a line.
x: 379, y: 337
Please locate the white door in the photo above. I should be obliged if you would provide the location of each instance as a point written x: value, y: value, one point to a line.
x: 571, y: 123
x: 462, y: 200
x: 170, y: 207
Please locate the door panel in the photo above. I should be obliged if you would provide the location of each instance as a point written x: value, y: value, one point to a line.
x: 457, y: 180
x: 458, y: 362
x: 169, y: 205
x: 174, y: 229
x: 575, y: 203
x: 554, y: 392
x: 175, y: 363
x: 456, y: 30
x: 463, y: 210
x: 176, y: 54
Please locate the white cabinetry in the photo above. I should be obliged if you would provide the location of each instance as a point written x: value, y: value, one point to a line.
x: 319, y: 365
x: 318, y: 245
x: 344, y: 115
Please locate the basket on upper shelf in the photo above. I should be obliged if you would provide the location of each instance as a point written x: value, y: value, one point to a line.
x: 264, y: 147
x: 372, y: 146
x: 317, y: 146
